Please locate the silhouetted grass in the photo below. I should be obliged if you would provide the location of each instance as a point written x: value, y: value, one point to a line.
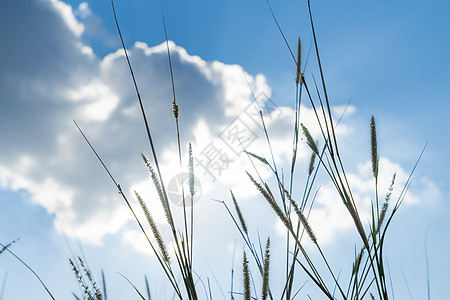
x: 368, y: 277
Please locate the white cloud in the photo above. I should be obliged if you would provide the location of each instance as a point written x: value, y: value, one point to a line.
x: 101, y: 101
x: 46, y: 157
x: 137, y: 239
x: 66, y: 12
x: 83, y: 10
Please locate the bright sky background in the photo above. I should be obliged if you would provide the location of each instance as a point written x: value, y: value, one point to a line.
x: 61, y: 61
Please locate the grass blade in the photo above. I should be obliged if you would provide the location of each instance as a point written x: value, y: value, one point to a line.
x: 5, y: 248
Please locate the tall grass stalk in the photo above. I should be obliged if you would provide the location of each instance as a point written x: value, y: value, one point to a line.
x: 183, y: 246
x: 368, y: 277
x: 6, y: 248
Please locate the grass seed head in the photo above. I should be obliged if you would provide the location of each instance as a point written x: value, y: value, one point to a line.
x: 299, y: 62
x: 175, y: 109
x: 309, y: 140
x: 374, y: 147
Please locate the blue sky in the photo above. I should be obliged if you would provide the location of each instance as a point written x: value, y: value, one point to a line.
x: 62, y: 61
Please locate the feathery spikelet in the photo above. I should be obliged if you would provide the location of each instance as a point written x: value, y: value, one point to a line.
x: 239, y: 213
x: 299, y: 62
x: 261, y: 159
x: 302, y: 218
x: 175, y: 110
x: 269, y: 197
x: 358, y: 260
x: 310, y: 140
x: 162, y: 198
x: 311, y: 162
x: 154, y: 228
x: 385, y: 204
x: 97, y: 293
x: 374, y: 147
x: 246, y: 273
x: 265, y: 284
x: 79, y: 276
x: 191, y: 172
